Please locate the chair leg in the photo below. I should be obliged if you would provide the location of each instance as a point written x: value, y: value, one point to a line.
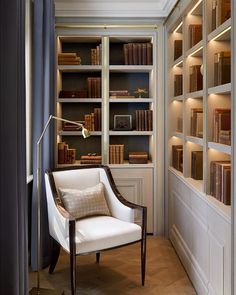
x: 143, y: 260
x: 72, y: 257
x: 54, y: 256
x: 97, y: 257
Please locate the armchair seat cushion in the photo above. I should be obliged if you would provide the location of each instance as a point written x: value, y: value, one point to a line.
x: 103, y: 232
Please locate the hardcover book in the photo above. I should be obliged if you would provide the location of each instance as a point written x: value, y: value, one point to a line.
x: 197, y: 165
x: 177, y: 157
x: 138, y: 157
x: 178, y: 48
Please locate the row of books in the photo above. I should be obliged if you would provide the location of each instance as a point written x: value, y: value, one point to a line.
x: 178, y: 48
x: 70, y: 58
x: 196, y: 122
x: 137, y: 54
x: 96, y: 55
x: 220, y: 181
x: 66, y: 155
x: 116, y: 153
x: 195, y: 34
x: 120, y: 94
x: 221, y: 11
x: 178, y: 85
x: 92, y: 121
x: 144, y: 120
x: 91, y: 159
x: 195, y: 78
x: 222, y: 68
x: 222, y: 126
x: 94, y: 87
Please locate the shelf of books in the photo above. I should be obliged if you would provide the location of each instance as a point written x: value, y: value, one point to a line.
x: 107, y: 83
x: 199, y: 107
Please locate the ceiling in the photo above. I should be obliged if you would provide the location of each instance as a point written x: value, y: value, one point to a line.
x: 113, y: 8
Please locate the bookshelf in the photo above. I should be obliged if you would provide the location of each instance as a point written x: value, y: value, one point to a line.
x: 124, y: 72
x: 203, y: 109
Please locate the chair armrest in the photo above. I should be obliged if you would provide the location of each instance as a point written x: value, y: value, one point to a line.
x: 58, y: 218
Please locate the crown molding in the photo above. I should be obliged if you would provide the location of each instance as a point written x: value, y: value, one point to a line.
x: 121, y: 8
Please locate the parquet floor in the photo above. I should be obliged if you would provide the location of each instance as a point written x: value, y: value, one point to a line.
x: 118, y: 272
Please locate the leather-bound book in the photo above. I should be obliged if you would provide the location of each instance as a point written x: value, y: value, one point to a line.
x: 197, y: 165
x: 178, y: 48
x: 138, y: 157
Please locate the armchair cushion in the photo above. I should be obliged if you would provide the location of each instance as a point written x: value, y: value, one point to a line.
x: 83, y: 203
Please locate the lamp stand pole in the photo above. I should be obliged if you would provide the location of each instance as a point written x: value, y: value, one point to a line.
x: 38, y: 290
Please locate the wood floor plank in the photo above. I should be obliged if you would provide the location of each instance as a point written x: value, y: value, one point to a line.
x: 118, y: 272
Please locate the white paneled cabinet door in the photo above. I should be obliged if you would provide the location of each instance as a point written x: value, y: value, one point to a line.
x: 136, y: 185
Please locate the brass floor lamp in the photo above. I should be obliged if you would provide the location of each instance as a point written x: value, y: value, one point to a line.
x: 38, y: 290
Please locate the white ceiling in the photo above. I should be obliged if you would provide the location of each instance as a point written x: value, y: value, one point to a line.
x: 113, y: 8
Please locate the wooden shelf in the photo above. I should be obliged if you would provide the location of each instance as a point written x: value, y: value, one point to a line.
x: 79, y: 100
x: 223, y: 148
x: 78, y: 68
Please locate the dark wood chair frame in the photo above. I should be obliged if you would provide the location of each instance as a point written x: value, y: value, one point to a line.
x: 72, y: 221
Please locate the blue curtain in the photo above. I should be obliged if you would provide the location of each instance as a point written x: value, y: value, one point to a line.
x: 13, y: 188
x: 43, y: 106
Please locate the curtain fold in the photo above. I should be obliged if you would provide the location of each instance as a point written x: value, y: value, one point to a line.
x: 13, y: 188
x: 43, y: 105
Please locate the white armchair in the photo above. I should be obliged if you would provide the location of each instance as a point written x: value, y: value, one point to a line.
x: 93, y: 233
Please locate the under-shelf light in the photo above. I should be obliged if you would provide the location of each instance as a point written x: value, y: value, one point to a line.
x: 178, y: 27
x: 179, y: 63
x: 195, y: 6
x: 197, y: 50
x: 220, y: 34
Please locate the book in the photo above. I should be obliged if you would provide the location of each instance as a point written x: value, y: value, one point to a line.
x: 138, y: 157
x: 195, y: 34
x: 178, y: 48
x: 222, y: 125
x: 196, y: 128
x: 116, y: 153
x: 197, y: 165
x: 177, y: 157
x: 222, y: 68
x: 220, y: 181
x: 73, y: 94
x: 61, y: 154
x: 195, y: 78
x: 178, y: 85
x: 221, y: 11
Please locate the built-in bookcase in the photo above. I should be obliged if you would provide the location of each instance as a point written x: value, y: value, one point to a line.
x: 192, y: 112
x: 199, y: 125
x: 125, y: 65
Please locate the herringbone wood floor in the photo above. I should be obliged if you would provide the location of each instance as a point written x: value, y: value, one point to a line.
x: 118, y: 272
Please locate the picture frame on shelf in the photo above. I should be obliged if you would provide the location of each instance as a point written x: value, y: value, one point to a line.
x: 122, y: 122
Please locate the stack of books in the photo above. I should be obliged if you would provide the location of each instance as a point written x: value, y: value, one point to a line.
x: 197, y: 165
x: 221, y: 11
x: 195, y: 78
x: 138, y: 157
x: 65, y: 154
x: 222, y: 126
x: 120, y: 94
x: 69, y: 58
x: 92, y: 121
x: 73, y: 93
x: 195, y: 34
x: 177, y: 157
x: 178, y: 48
x: 220, y: 181
x: 144, y: 120
x: 222, y: 68
x: 196, y: 122
x: 138, y: 53
x: 116, y: 153
x: 94, y: 87
x: 96, y: 55
x: 91, y: 159
x: 178, y: 85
